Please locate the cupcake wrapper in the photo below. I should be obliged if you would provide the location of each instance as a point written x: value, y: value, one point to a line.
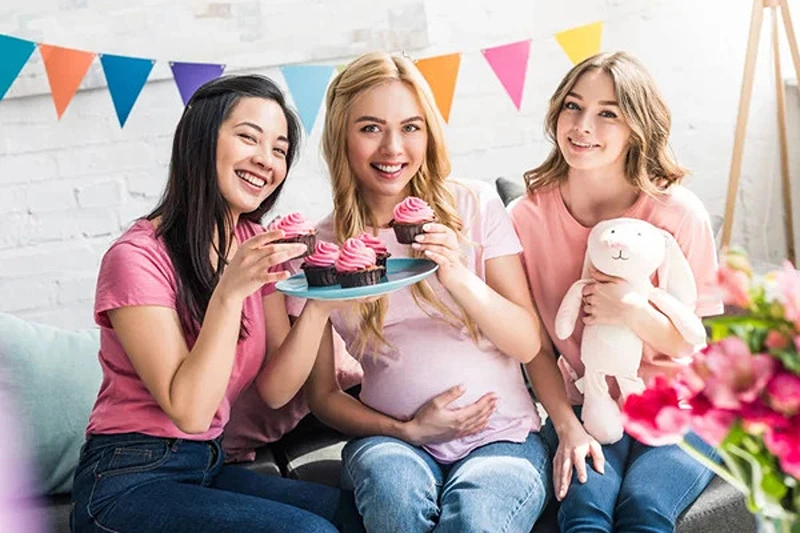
x: 310, y: 240
x: 405, y: 233
x: 361, y: 278
x: 320, y: 276
x: 381, y: 260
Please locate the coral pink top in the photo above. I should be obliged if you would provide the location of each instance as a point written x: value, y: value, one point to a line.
x: 137, y: 270
x: 555, y: 244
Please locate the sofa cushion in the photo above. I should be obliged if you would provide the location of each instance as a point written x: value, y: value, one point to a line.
x: 253, y: 424
x: 311, y: 452
x: 509, y: 189
x: 53, y: 376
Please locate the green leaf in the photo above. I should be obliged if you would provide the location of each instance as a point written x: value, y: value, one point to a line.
x: 789, y: 358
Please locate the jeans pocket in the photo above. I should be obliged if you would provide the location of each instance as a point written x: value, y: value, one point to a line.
x: 132, y: 458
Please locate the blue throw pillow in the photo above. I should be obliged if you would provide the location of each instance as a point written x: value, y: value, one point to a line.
x: 53, y: 377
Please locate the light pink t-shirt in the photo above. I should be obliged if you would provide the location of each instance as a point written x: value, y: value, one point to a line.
x: 554, y: 248
x: 137, y: 270
x: 427, y: 356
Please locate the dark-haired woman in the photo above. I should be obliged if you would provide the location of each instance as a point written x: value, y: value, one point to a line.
x: 189, y: 317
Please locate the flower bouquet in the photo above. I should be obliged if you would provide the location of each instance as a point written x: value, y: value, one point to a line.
x: 740, y: 394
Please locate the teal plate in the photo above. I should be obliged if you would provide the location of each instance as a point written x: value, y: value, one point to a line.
x: 399, y: 273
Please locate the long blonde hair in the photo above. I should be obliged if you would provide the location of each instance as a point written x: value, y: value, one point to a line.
x: 650, y: 165
x: 351, y: 214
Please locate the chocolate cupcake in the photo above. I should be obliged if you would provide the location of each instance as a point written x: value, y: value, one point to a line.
x: 296, y: 228
x: 410, y: 216
x: 381, y: 252
x: 356, y: 266
x: 319, y: 266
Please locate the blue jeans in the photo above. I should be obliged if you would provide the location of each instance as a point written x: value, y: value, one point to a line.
x: 133, y: 482
x: 644, y: 488
x: 502, y: 486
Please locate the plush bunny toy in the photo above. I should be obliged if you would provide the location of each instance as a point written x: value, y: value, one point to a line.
x: 631, y: 249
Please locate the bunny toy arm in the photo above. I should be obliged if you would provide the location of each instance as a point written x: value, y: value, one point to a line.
x: 569, y: 309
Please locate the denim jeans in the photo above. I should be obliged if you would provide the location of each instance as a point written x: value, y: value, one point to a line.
x: 502, y: 486
x: 644, y: 488
x: 133, y: 482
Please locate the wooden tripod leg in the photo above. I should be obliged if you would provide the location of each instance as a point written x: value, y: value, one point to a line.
x: 790, y: 36
x: 741, y: 121
x: 784, y: 145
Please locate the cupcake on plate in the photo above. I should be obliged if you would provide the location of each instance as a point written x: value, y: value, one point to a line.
x: 356, y: 266
x: 381, y: 252
x: 409, y: 217
x: 296, y: 228
x: 320, y: 266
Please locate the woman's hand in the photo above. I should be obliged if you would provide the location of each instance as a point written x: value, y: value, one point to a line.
x: 574, y: 445
x: 440, y: 244
x: 609, y: 300
x: 437, y: 422
x: 249, y: 268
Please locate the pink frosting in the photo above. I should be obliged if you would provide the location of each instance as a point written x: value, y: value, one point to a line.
x: 373, y: 242
x: 354, y: 255
x: 293, y: 225
x: 413, y: 210
x: 325, y: 254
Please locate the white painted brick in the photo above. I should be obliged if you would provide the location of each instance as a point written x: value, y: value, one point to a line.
x: 61, y: 258
x: 105, y: 193
x: 51, y: 196
x: 23, y: 168
x: 74, y: 290
x: 12, y: 199
x: 17, y: 295
x: 76, y: 316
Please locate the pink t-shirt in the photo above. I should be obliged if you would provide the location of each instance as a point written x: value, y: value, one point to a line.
x: 427, y: 356
x: 137, y: 270
x: 554, y: 248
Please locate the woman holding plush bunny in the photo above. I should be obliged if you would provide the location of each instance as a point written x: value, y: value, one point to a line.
x: 448, y: 433
x: 188, y: 318
x: 611, y: 159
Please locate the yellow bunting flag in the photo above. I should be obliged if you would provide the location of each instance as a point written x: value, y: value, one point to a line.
x: 581, y: 42
x: 65, y: 70
x: 441, y: 73
x: 340, y: 68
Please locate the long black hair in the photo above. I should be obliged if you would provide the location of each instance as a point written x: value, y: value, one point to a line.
x: 192, y: 209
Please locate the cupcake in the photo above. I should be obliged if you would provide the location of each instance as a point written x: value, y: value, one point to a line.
x: 381, y: 252
x: 296, y: 228
x: 409, y: 217
x: 356, y: 266
x: 319, y: 266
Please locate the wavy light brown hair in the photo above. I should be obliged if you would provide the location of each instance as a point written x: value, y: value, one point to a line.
x: 352, y: 215
x: 650, y: 165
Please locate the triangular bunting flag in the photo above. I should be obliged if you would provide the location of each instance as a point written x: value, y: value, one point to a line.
x: 340, y: 68
x: 510, y: 64
x: 581, y: 42
x: 15, y: 53
x: 307, y: 83
x: 441, y: 73
x: 125, y: 76
x: 65, y: 68
x: 190, y: 76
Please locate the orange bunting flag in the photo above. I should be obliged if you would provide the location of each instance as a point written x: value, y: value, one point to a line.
x: 65, y: 70
x: 581, y: 42
x: 441, y: 73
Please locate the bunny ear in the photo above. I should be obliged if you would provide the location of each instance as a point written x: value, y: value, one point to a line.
x: 587, y: 261
x: 675, y: 275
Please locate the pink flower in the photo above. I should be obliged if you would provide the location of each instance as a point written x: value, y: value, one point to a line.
x: 776, y: 341
x: 783, y: 391
x: 736, y: 376
x: 735, y: 286
x: 654, y: 416
x: 784, y: 443
x: 711, y: 424
x: 757, y: 418
x: 789, y: 288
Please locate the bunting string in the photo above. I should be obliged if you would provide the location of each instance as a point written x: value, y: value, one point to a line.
x: 126, y: 76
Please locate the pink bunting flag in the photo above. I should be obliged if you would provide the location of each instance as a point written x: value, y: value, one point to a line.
x: 510, y: 64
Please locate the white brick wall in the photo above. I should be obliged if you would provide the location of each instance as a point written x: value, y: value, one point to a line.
x: 69, y: 187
